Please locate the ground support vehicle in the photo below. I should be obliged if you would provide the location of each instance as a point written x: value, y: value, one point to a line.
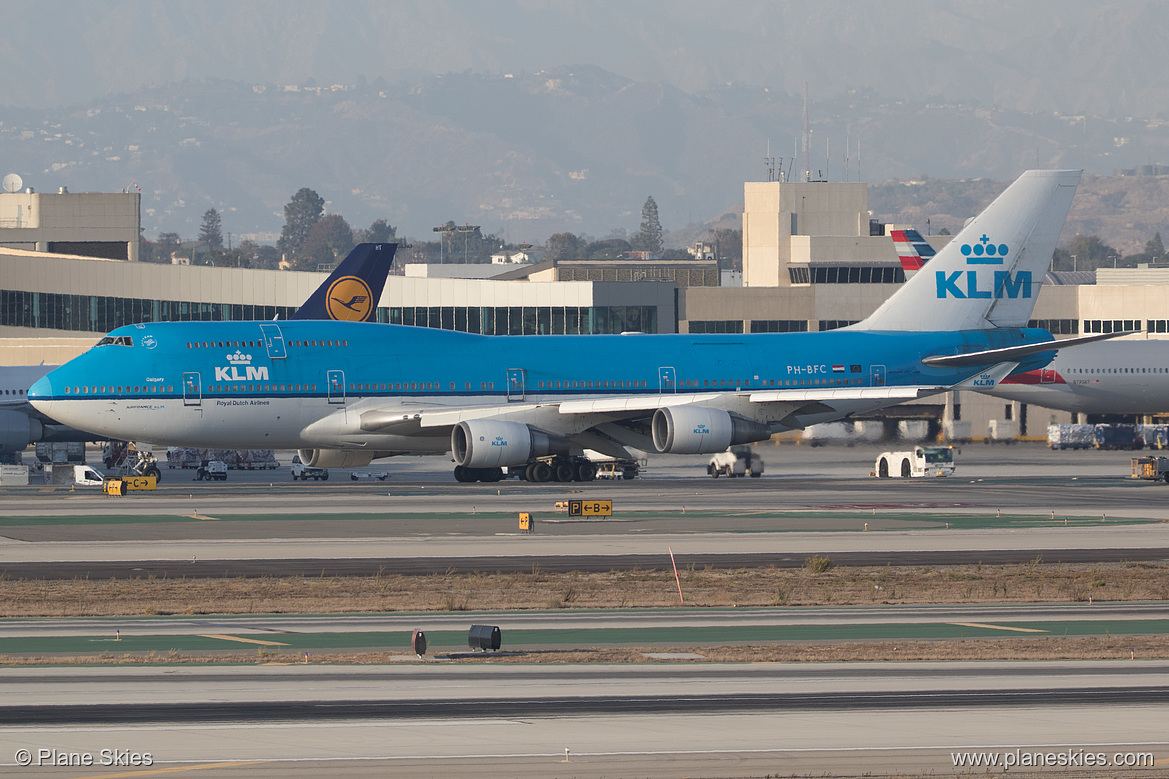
x: 554, y: 468
x: 368, y: 475
x: 1070, y: 436
x: 1118, y: 437
x: 60, y: 452
x: 306, y: 472
x: 211, y: 470
x: 922, y: 461
x: 736, y: 461
x: 1152, y: 468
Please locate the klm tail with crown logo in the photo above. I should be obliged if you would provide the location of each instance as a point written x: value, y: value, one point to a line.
x: 989, y: 275
x: 352, y: 291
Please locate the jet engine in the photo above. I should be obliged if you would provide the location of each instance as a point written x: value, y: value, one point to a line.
x: 18, y: 431
x: 489, y: 443
x: 336, y: 458
x: 701, y: 430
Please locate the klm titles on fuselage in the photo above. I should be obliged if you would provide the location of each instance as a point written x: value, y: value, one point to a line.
x: 984, y: 252
x: 240, y: 360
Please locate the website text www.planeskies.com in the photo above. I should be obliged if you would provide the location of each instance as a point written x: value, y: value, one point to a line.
x: 1065, y: 758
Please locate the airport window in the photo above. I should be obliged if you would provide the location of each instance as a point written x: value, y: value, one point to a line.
x: 835, y: 324
x: 845, y: 274
x: 1157, y: 326
x: 717, y: 326
x: 1057, y: 326
x: 1111, y: 325
x: 779, y: 326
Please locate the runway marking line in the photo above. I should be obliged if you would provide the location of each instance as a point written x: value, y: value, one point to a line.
x: 200, y: 516
x: 176, y: 769
x: 997, y: 627
x: 244, y: 640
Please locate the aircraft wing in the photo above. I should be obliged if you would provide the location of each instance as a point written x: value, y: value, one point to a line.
x: 780, y: 408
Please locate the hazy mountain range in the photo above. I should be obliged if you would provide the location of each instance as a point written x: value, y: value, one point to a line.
x: 533, y: 116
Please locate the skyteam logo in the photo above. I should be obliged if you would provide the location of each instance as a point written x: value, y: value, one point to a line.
x: 1003, y: 285
x: 240, y: 360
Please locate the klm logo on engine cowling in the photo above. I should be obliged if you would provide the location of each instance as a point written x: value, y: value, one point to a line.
x: 499, y: 441
x: 240, y: 360
x: 701, y: 430
x: 970, y: 284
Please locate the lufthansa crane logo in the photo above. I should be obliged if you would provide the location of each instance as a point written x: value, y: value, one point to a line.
x: 349, y: 299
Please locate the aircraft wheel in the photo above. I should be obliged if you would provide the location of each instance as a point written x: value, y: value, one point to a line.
x: 755, y: 474
x: 460, y: 473
x: 564, y: 472
x: 325, y: 476
x: 629, y: 473
x: 542, y: 472
x: 586, y: 472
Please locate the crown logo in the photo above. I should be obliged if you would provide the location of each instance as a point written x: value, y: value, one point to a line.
x: 239, y: 358
x: 985, y: 252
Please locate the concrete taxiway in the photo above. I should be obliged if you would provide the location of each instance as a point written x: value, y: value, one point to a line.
x: 695, y: 720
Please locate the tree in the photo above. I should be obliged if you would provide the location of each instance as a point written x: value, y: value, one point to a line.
x: 608, y: 249
x: 329, y: 239
x: 649, y: 239
x: 1155, y: 248
x: 166, y: 245
x: 254, y: 255
x: 380, y: 231
x: 563, y: 246
x: 1084, y: 252
x: 301, y: 213
x: 211, y: 231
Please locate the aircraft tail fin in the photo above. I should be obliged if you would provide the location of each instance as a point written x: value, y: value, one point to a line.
x: 989, y: 275
x: 352, y: 291
x: 913, y: 250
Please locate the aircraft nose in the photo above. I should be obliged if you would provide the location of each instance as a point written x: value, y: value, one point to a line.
x: 40, y: 394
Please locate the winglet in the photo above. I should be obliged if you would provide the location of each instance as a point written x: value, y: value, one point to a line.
x: 352, y: 291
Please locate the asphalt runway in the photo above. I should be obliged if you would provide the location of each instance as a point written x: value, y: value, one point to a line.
x: 690, y: 720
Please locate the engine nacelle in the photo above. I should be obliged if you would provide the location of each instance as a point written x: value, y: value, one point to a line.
x: 491, y: 443
x: 702, y: 430
x: 336, y: 458
x: 18, y: 430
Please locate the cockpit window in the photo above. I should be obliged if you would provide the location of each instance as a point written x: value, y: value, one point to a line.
x: 118, y: 340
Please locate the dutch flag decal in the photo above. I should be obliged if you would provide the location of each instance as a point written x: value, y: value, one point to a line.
x: 838, y: 369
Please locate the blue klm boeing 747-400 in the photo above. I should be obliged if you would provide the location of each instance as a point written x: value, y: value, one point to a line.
x: 347, y: 392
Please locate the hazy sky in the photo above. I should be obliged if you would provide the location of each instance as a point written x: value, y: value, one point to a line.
x: 1070, y: 54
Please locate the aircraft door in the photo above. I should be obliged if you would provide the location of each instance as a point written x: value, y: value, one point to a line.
x: 515, y: 384
x: 192, y: 389
x: 667, y: 380
x: 336, y: 381
x: 274, y: 341
x: 878, y: 375
x: 1047, y: 376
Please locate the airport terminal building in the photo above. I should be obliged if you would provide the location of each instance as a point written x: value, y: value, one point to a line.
x: 813, y: 260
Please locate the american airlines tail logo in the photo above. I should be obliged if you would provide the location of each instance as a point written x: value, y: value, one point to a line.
x: 240, y: 360
x: 983, y: 252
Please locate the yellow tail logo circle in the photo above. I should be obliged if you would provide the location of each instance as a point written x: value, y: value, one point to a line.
x: 349, y: 299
